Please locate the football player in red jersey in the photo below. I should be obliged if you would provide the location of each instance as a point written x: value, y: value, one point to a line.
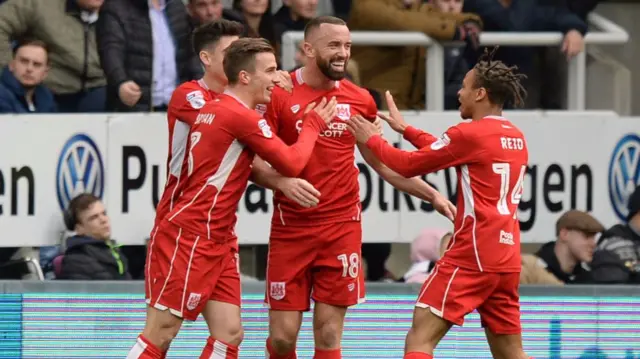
x: 481, y: 266
x: 314, y: 253
x: 209, y: 42
x: 195, y: 262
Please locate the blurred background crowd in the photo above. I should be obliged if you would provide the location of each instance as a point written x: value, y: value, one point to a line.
x: 94, y: 56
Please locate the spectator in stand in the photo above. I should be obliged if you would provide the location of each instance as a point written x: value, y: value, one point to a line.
x: 258, y: 18
x: 66, y: 27
x: 568, y: 257
x: 530, y: 16
x: 342, y: 8
x: 581, y: 8
x: 622, y: 242
x: 145, y: 50
x: 203, y: 11
x: 397, y: 69
x: 91, y: 254
x: 293, y: 16
x: 455, y: 63
x: 426, y: 249
x: 21, y: 88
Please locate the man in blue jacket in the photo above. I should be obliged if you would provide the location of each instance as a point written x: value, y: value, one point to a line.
x: 21, y: 88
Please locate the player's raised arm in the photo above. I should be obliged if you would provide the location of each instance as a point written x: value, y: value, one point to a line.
x: 415, y: 136
x: 251, y: 69
x: 448, y: 151
x: 291, y: 160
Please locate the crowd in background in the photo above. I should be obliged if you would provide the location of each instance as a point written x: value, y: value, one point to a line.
x: 129, y: 55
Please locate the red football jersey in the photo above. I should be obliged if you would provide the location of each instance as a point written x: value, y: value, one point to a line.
x: 224, y: 139
x: 490, y: 156
x: 331, y: 169
x: 185, y: 104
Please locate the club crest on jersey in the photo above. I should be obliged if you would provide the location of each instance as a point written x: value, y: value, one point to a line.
x: 295, y: 108
x: 261, y: 109
x: 196, y: 99
x: 441, y: 142
x: 344, y: 111
x: 194, y: 299
x: 277, y: 290
x: 265, y: 128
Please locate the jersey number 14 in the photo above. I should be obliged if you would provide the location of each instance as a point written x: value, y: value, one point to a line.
x: 504, y: 170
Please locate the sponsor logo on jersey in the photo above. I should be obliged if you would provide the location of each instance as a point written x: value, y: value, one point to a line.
x: 80, y: 170
x: 344, y: 111
x: 334, y: 129
x: 277, y: 290
x: 624, y: 173
x: 265, y: 128
x: 196, y: 99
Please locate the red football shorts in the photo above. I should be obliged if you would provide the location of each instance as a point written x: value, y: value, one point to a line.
x: 184, y: 271
x: 452, y: 292
x: 319, y: 262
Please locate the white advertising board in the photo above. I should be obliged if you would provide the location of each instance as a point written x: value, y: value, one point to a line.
x: 44, y: 161
x: 589, y: 161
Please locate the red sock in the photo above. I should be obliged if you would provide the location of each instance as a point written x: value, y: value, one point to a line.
x: 218, y: 349
x: 327, y: 354
x: 143, y: 349
x: 271, y: 353
x: 417, y: 355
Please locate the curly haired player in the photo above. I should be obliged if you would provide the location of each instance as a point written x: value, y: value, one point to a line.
x: 480, y: 268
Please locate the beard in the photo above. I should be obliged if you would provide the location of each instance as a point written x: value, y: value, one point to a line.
x: 328, y: 71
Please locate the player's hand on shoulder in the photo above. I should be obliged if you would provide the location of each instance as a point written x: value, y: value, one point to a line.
x: 283, y: 80
x: 394, y: 119
x: 326, y: 109
x: 300, y: 191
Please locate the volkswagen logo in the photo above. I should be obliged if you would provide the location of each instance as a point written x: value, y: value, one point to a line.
x: 624, y: 173
x: 80, y: 170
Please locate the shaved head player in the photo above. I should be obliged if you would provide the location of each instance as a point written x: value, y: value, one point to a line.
x: 314, y: 253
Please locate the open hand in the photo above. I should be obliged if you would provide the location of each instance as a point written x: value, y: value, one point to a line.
x: 283, y: 80
x: 361, y: 129
x: 444, y: 207
x: 300, y: 191
x: 394, y: 119
x: 327, y: 109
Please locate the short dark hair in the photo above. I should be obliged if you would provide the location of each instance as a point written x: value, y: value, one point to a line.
x: 502, y: 82
x: 208, y: 34
x: 317, y: 21
x: 241, y: 56
x: 30, y: 42
x: 77, y: 205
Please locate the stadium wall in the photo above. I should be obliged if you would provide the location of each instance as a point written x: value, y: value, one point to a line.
x: 585, y: 160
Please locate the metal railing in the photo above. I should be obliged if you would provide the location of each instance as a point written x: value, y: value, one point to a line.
x: 607, y: 33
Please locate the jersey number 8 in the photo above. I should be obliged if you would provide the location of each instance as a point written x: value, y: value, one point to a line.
x: 504, y: 170
x: 350, y: 264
